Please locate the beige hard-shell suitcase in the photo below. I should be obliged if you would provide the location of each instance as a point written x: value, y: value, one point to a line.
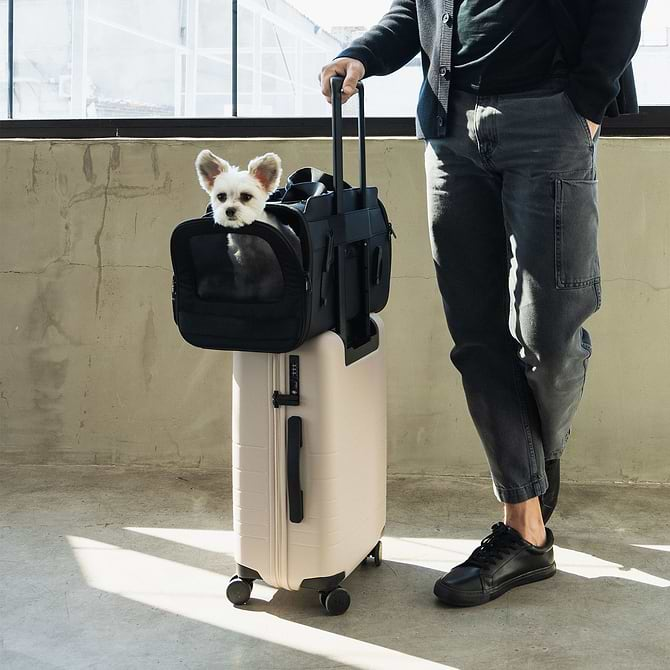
x: 309, y: 466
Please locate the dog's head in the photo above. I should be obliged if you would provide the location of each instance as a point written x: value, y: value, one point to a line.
x: 238, y: 196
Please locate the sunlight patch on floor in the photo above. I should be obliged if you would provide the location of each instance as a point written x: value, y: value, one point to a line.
x: 439, y: 554
x: 657, y: 547
x: 200, y: 595
x: 217, y: 541
x: 442, y: 554
x: 591, y: 567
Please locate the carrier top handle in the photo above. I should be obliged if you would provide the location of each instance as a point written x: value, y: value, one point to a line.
x: 336, y: 83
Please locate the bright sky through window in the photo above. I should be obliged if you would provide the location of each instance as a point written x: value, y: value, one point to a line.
x: 354, y: 12
x: 343, y: 12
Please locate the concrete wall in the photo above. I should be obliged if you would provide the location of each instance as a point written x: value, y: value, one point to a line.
x: 92, y: 369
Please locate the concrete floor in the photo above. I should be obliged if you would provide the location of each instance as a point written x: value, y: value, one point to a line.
x: 104, y: 567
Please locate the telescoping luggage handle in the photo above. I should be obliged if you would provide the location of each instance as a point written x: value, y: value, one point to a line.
x: 338, y: 131
x: 357, y: 345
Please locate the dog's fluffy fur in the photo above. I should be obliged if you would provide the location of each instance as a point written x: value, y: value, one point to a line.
x: 238, y: 198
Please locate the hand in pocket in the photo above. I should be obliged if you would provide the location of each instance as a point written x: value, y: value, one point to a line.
x: 593, y: 127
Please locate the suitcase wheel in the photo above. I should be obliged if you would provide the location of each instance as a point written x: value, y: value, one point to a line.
x: 239, y: 590
x: 336, y: 601
x: 375, y: 554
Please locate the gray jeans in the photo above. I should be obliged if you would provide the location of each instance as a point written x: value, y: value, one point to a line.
x: 513, y: 214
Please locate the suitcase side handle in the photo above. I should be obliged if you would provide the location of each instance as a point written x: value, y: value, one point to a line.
x: 336, y: 83
x: 295, y: 503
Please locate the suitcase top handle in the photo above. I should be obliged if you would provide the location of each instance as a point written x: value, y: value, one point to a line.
x: 336, y: 83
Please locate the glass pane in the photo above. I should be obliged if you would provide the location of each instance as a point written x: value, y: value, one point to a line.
x: 651, y: 63
x: 214, y: 92
x: 211, y: 90
x: 153, y: 19
x: 150, y: 58
x: 133, y: 64
x: 128, y: 73
x: 3, y: 59
x: 76, y: 58
x: 42, y: 58
x: 290, y: 43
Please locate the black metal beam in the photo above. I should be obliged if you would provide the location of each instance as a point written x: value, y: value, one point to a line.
x: 651, y: 121
x: 240, y: 127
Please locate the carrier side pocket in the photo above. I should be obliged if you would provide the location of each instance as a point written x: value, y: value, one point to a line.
x: 576, y: 233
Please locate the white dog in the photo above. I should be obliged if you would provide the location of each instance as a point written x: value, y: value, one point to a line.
x: 238, y: 198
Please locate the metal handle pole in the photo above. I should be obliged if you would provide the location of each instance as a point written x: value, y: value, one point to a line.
x: 338, y: 132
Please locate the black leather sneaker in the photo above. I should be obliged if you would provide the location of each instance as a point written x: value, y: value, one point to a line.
x: 503, y: 560
x: 550, y: 497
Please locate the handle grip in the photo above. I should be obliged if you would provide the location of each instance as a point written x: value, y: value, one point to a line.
x: 295, y: 507
x: 336, y: 83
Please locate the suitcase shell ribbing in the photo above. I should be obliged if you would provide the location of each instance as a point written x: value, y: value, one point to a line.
x: 342, y: 462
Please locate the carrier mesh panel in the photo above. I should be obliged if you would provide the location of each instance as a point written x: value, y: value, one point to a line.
x: 247, y: 271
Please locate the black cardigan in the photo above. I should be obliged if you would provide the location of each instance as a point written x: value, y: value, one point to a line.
x: 599, y: 39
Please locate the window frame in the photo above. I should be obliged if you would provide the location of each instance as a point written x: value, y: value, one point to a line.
x: 653, y: 120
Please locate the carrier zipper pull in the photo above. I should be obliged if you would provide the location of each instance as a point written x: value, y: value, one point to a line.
x: 331, y: 246
x: 325, y: 275
x: 391, y: 231
x: 378, y: 265
x: 175, y: 311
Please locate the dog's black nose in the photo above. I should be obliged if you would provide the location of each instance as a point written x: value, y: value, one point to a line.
x: 230, y: 212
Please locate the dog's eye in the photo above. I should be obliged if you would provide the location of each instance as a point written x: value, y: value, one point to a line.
x: 245, y: 197
x: 221, y: 197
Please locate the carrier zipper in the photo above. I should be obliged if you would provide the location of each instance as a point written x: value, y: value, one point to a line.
x: 175, y: 304
x: 276, y: 493
x: 308, y: 281
x: 389, y: 228
x: 327, y: 266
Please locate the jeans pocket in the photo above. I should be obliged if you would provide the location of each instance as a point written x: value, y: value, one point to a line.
x: 582, y: 120
x: 576, y: 233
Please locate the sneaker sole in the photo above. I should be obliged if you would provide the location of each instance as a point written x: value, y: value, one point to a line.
x: 459, y: 598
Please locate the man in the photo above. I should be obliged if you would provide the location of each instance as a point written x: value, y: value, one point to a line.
x: 514, y: 95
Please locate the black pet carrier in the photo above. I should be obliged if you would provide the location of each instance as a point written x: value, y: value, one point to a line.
x: 341, y: 275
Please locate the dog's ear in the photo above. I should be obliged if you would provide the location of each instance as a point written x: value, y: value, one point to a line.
x: 267, y: 170
x: 208, y: 167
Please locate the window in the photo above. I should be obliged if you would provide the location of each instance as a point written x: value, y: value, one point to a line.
x: 651, y: 63
x: 298, y: 37
x: 167, y: 58
x: 3, y: 59
x: 88, y: 59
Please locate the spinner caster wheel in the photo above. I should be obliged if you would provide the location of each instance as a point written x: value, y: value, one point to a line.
x: 335, y: 602
x: 377, y: 554
x: 239, y: 590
